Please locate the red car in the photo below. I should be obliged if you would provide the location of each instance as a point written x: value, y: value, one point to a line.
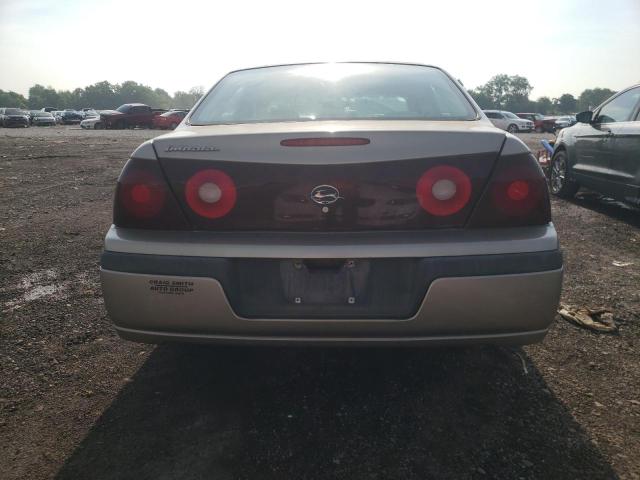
x: 537, y: 119
x: 129, y: 115
x: 169, y: 119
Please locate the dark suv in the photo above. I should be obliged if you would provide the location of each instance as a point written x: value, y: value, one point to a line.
x: 600, y: 152
x: 13, y: 117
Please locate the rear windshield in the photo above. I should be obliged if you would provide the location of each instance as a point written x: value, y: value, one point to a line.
x: 343, y: 91
x: 14, y: 111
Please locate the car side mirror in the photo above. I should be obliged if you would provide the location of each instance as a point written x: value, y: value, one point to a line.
x: 585, y: 117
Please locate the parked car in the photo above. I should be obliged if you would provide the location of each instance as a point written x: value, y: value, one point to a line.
x: 602, y: 151
x: 536, y: 118
x: 40, y: 118
x: 169, y: 120
x: 564, y: 122
x: 130, y: 115
x: 48, y: 109
x: 70, y: 117
x: 13, y: 117
x: 31, y: 114
x: 509, y: 121
x: 90, y: 114
x: 348, y: 203
x: 57, y: 114
x: 549, y: 123
x: 94, y: 122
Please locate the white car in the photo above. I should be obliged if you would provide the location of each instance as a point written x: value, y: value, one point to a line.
x: 509, y: 121
x: 94, y: 122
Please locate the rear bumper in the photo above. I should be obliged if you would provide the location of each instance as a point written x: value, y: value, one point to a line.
x: 504, y: 299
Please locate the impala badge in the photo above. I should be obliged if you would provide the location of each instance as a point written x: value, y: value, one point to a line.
x: 325, y: 194
x: 191, y: 148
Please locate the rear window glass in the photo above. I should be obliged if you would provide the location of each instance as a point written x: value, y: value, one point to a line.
x: 333, y: 92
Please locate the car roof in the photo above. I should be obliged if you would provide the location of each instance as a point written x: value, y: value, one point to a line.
x: 328, y: 63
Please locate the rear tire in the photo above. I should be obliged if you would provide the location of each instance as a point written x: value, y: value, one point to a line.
x: 559, y: 182
x: 512, y: 128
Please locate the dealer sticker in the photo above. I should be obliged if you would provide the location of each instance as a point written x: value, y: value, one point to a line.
x: 171, y: 287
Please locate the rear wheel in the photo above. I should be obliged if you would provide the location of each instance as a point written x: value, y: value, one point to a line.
x: 560, y: 183
x: 513, y: 128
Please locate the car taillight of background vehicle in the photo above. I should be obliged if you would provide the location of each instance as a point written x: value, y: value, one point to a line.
x: 210, y: 193
x: 516, y: 195
x: 443, y: 190
x: 143, y: 198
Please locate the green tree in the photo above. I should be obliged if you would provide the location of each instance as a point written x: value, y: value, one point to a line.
x: 592, y: 97
x: 483, y: 100
x: 133, y: 92
x: 504, y: 92
x: 163, y: 99
x: 566, y: 103
x: 544, y: 105
x: 187, y: 99
x: 101, y: 95
x: 13, y: 99
x: 40, y: 97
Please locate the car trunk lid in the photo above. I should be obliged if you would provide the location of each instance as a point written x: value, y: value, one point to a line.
x: 370, y: 184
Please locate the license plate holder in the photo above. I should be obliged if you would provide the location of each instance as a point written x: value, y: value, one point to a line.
x: 325, y: 281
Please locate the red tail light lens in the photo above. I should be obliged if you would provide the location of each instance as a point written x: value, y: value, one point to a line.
x: 443, y: 190
x: 516, y: 195
x: 211, y: 193
x: 325, y: 142
x: 142, y: 195
x: 143, y: 198
x: 518, y: 190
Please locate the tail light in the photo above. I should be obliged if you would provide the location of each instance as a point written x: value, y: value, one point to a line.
x: 210, y: 193
x: 443, y: 190
x: 144, y: 200
x: 516, y: 195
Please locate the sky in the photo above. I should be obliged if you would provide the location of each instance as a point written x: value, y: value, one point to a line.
x: 561, y: 46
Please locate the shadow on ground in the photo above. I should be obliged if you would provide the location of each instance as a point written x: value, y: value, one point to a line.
x: 194, y: 412
x: 608, y: 206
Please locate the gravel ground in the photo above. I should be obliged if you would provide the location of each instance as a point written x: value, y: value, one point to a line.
x: 77, y: 402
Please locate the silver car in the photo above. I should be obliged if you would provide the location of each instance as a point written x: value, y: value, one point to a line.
x: 509, y: 121
x: 350, y: 203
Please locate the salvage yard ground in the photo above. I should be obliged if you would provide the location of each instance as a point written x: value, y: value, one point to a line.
x: 76, y: 402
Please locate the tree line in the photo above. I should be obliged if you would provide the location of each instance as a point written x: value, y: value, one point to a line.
x: 102, y: 96
x: 502, y: 92
x: 505, y: 92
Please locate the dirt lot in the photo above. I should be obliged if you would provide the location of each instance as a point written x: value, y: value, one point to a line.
x: 76, y: 402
